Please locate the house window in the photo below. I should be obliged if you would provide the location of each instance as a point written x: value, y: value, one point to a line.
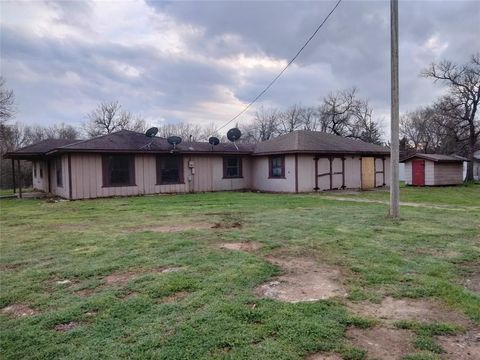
x: 41, y: 170
x: 169, y: 169
x: 232, y: 167
x: 118, y: 170
x: 34, y: 169
x: 277, y: 167
x: 58, y: 171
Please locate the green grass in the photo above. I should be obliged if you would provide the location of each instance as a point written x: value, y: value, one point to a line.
x: 215, y: 318
x: 467, y: 194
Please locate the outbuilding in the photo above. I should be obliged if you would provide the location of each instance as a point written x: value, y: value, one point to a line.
x: 433, y: 169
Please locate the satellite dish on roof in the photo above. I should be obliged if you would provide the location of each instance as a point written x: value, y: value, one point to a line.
x: 151, y: 132
x: 174, y: 140
x: 213, y: 141
x: 233, y: 135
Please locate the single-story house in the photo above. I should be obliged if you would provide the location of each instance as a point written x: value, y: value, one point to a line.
x: 129, y: 163
x: 433, y: 169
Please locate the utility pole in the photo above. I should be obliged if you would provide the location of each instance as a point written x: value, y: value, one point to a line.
x: 394, y: 117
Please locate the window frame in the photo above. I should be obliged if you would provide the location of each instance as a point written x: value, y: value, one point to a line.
x: 40, y: 170
x: 180, y: 163
x: 270, y: 167
x: 106, y: 171
x: 59, y: 172
x: 240, y: 167
x: 35, y: 169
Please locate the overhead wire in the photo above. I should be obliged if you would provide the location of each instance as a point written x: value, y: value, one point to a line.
x: 283, y: 70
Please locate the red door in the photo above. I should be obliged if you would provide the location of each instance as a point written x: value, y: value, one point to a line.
x: 418, y: 172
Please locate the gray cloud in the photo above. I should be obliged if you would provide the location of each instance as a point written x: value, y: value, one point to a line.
x: 199, y: 61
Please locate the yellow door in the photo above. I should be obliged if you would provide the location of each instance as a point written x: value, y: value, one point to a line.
x: 368, y: 172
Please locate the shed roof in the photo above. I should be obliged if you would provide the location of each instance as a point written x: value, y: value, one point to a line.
x: 303, y: 141
x: 437, y: 157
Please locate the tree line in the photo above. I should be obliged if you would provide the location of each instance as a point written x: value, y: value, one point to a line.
x: 448, y: 125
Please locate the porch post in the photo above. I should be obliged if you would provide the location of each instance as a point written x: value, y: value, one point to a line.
x: 19, y: 179
x: 13, y: 175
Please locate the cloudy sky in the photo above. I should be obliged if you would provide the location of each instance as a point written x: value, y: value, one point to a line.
x: 202, y: 62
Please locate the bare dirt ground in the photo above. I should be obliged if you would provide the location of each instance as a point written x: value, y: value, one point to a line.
x: 382, y: 343
x: 19, y: 310
x: 67, y: 327
x: 303, y: 280
x: 461, y: 347
x: 241, y: 246
x: 120, y: 278
x: 421, y: 310
x: 386, y: 342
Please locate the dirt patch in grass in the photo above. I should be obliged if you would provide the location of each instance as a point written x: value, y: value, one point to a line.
x: 19, y: 310
x: 461, y: 347
x: 227, y: 225
x: 84, y: 292
x: 382, y: 343
x: 178, y: 227
x: 67, y: 326
x: 323, y: 356
x: 241, y: 246
x: 120, y: 278
x: 303, y: 280
x: 421, y: 310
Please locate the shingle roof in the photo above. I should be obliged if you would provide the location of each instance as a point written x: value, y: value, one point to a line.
x: 40, y: 148
x: 134, y: 142
x: 130, y: 141
x: 303, y: 141
x: 437, y: 157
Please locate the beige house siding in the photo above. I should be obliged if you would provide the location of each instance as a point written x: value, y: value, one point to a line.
x: 206, y: 174
x: 260, y: 175
x: 448, y: 173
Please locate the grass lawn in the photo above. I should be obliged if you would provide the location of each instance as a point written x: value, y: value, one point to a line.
x: 144, y: 278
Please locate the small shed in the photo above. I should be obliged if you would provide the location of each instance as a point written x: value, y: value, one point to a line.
x: 433, y: 169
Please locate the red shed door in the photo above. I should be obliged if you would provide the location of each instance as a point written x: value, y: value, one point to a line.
x: 418, y: 172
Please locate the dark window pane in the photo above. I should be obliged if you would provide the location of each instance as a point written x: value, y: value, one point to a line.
x: 58, y: 170
x: 119, y: 170
x: 276, y: 164
x: 232, y: 167
x: 170, y: 169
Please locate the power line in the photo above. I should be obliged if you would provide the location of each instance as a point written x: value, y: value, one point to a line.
x: 283, y: 70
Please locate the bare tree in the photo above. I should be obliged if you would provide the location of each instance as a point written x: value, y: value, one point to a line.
x: 7, y: 102
x: 461, y: 103
x: 336, y: 111
x: 309, y: 118
x: 186, y: 131
x: 291, y: 119
x: 109, y: 117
